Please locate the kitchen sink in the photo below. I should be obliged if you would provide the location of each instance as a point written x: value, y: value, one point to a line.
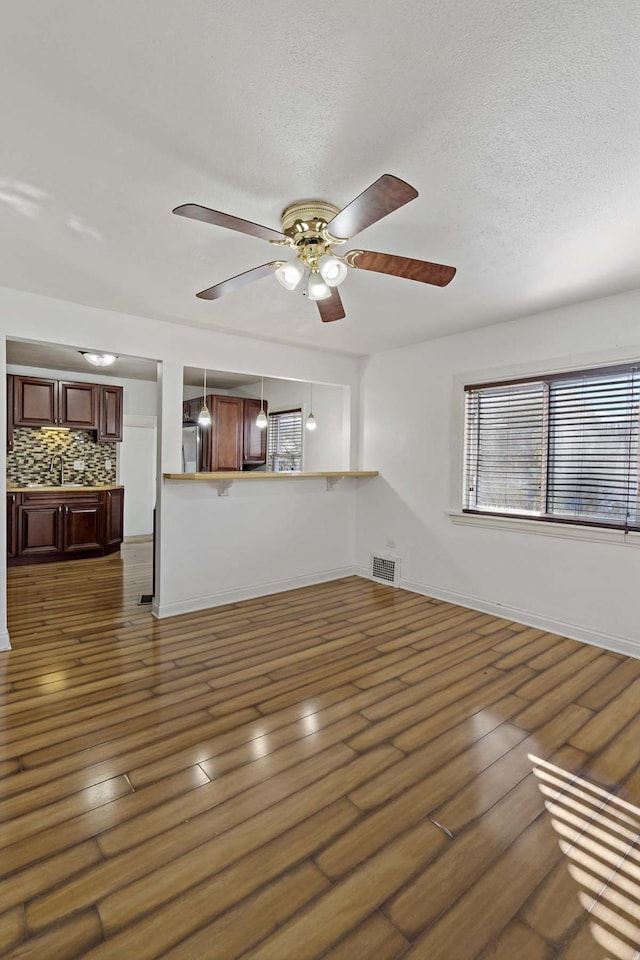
x: 61, y: 486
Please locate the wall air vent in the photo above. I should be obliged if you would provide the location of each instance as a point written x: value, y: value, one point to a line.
x: 385, y: 569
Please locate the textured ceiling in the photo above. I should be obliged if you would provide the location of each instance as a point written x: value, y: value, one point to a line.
x: 49, y: 356
x: 519, y: 124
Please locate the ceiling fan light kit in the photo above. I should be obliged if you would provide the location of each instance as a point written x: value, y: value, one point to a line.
x: 313, y: 228
x: 317, y: 289
x: 290, y: 274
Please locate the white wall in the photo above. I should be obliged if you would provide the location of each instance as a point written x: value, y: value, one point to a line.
x: 327, y: 447
x: 137, y: 473
x: 412, y: 431
x: 259, y: 538
x: 46, y: 320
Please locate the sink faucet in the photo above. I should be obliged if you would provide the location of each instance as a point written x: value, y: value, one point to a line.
x: 57, y: 456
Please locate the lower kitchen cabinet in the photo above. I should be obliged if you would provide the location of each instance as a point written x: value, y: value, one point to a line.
x: 114, y: 518
x: 82, y: 527
x: 39, y: 530
x: 63, y: 525
x: 12, y: 530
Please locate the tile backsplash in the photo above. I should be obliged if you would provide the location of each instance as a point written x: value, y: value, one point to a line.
x: 33, y: 449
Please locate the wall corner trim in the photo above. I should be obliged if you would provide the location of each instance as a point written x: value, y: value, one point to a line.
x: 5, y: 642
x: 574, y: 631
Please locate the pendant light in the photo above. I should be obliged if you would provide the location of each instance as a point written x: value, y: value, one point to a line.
x: 261, y: 419
x: 204, y: 417
x: 311, y: 420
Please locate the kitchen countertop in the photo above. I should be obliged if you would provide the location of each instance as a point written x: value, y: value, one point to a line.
x: 58, y: 488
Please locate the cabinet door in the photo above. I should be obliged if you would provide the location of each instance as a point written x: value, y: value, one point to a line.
x: 39, y: 530
x: 35, y: 402
x: 12, y: 540
x: 114, y: 521
x: 78, y: 405
x: 9, y: 412
x: 255, y: 439
x: 110, y: 414
x: 226, y: 430
x: 82, y: 527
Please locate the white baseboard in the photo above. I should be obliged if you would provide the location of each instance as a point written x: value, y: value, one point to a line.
x: 574, y: 631
x: 5, y: 643
x: 164, y: 610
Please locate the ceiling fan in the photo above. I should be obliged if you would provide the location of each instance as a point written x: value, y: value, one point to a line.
x: 313, y: 228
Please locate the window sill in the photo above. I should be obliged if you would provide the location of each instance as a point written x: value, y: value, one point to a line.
x: 566, y: 531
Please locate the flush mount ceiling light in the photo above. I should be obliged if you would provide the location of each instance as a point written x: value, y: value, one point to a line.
x: 261, y: 419
x: 99, y: 359
x: 204, y: 417
x: 312, y: 228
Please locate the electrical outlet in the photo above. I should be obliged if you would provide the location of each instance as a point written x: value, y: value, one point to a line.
x: 107, y: 464
x: 78, y: 464
x: 390, y: 543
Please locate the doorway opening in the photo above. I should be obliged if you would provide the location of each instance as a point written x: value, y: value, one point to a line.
x: 81, y: 476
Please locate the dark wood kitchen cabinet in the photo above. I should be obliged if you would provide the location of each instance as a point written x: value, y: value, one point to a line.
x: 226, y: 432
x: 12, y: 530
x: 232, y: 440
x: 78, y: 405
x: 254, y: 449
x: 68, y: 403
x: 114, y: 518
x: 59, y: 524
x: 82, y: 527
x: 35, y: 402
x: 39, y: 529
x: 110, y: 417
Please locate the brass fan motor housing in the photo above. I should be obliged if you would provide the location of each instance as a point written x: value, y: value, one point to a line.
x: 305, y: 223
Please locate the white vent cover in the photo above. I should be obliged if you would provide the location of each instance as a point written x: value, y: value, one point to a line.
x: 385, y: 569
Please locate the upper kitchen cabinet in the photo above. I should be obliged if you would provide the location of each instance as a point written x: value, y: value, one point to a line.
x: 67, y: 403
x: 110, y: 414
x: 255, y: 439
x: 78, y: 405
x: 226, y: 432
x: 35, y: 402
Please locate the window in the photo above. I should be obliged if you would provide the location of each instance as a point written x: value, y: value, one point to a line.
x: 562, y: 448
x: 285, y: 441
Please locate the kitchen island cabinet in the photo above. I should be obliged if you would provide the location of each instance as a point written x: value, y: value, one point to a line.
x: 57, y: 523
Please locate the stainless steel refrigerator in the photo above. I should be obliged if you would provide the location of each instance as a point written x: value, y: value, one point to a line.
x: 191, y: 448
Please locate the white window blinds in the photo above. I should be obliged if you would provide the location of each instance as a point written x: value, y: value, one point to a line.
x: 562, y: 448
x: 285, y: 441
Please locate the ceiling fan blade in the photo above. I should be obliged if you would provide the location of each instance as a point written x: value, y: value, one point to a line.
x: 384, y: 196
x: 195, y: 212
x: 421, y: 270
x: 331, y: 309
x: 234, y: 283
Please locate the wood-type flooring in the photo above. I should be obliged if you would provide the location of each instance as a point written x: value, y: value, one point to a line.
x: 345, y: 771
